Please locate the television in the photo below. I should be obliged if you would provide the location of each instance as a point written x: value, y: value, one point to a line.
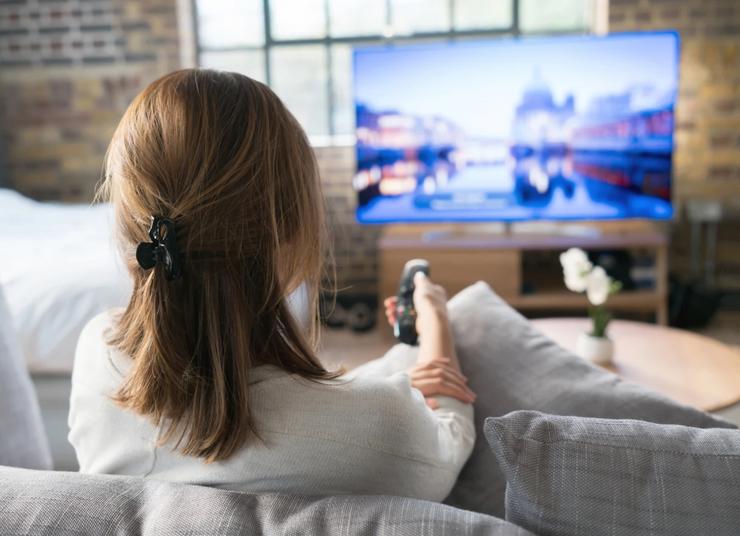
x: 559, y: 128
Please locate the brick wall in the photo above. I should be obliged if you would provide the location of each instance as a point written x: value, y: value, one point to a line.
x: 355, y: 246
x: 707, y: 157
x: 68, y: 69
x: 708, y: 113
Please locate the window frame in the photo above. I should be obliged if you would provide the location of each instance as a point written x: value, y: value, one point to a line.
x: 512, y: 30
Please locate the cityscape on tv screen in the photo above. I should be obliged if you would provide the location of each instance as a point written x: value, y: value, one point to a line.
x: 508, y: 130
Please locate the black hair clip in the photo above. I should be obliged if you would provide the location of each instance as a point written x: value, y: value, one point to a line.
x: 162, y: 249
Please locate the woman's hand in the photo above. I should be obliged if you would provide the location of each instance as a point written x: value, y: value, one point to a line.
x: 440, y: 377
x: 391, y: 304
x: 430, y: 302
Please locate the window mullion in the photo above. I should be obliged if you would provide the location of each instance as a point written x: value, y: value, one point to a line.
x: 329, y: 70
x: 268, y: 40
x: 195, y: 30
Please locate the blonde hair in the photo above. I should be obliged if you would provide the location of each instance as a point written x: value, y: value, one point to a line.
x: 220, y: 155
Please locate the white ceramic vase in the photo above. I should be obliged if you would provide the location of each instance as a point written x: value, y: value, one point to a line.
x: 599, y: 350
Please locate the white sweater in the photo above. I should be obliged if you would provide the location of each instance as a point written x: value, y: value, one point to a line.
x: 369, y: 434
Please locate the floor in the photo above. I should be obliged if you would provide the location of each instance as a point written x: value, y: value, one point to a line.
x: 725, y: 327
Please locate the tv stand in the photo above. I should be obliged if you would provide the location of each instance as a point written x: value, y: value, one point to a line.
x: 508, y: 229
x: 463, y: 254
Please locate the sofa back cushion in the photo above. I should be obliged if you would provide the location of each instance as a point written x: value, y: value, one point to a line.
x: 575, y: 475
x: 512, y: 366
x: 61, y: 504
x: 22, y: 439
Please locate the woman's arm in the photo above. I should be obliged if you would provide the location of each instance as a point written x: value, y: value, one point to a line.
x: 437, y: 371
x: 432, y: 323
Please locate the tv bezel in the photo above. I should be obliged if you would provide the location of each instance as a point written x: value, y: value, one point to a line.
x: 383, y: 47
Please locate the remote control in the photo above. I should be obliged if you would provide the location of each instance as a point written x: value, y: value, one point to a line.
x: 404, y: 328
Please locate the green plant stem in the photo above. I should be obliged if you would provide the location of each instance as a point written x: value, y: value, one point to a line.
x: 600, y: 318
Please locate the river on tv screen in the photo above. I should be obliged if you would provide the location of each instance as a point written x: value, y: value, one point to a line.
x: 559, y: 128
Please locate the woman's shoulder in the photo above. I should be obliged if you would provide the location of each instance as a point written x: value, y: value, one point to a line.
x: 95, y: 358
x: 100, y: 323
x: 95, y: 335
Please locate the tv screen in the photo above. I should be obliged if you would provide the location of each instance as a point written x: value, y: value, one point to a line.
x: 560, y: 128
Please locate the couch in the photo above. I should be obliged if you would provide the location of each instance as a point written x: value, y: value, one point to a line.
x: 510, y: 365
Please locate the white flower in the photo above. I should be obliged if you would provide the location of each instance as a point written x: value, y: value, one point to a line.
x: 575, y: 282
x: 576, y: 268
x: 598, y: 285
x: 575, y: 260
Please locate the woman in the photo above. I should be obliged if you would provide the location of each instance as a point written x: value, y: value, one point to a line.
x: 206, y: 377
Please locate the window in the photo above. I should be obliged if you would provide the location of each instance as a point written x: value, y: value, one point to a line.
x: 563, y: 15
x: 303, y: 48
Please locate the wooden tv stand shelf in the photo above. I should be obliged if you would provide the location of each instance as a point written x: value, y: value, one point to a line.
x: 463, y: 254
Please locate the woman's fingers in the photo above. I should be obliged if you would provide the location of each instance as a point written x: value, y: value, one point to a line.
x: 431, y: 388
x: 432, y: 403
x: 437, y: 377
x: 438, y: 386
x: 436, y: 372
x: 440, y: 362
x: 445, y: 373
x: 390, y: 304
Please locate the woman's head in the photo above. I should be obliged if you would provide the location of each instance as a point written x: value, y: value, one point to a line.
x: 219, y: 155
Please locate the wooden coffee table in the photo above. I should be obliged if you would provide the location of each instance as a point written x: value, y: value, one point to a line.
x: 687, y: 367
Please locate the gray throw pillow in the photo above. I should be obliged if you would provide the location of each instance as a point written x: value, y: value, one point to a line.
x: 512, y: 366
x: 575, y: 475
x: 22, y: 439
x: 74, y: 504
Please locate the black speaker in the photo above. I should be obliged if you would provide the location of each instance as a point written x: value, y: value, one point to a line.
x: 354, y: 311
x: 691, y: 304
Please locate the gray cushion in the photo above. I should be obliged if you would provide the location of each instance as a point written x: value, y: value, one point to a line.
x: 575, y: 475
x: 22, y: 439
x: 59, y: 504
x: 512, y: 366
